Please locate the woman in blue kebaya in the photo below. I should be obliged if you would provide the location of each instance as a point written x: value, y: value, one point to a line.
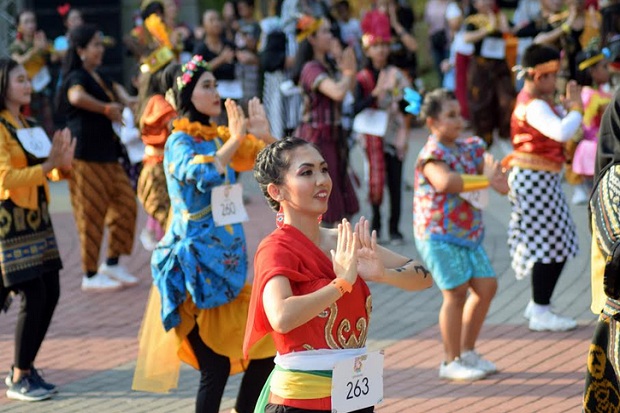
x: 199, y: 267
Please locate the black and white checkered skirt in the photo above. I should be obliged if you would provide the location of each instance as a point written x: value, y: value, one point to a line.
x: 541, y: 228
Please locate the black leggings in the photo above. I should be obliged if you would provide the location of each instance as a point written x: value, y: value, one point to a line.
x: 393, y: 178
x: 214, y: 372
x: 544, y: 279
x: 39, y: 299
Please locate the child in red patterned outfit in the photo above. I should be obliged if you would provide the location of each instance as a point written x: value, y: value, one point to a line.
x: 450, y: 180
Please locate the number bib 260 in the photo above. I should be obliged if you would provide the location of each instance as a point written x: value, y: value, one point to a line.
x: 35, y: 141
x: 227, y: 205
x: 357, y: 382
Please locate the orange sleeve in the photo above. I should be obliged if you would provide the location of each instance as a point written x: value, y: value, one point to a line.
x: 155, y: 121
x: 12, y: 176
x: 245, y: 157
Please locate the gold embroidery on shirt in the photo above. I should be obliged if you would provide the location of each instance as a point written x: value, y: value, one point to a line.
x: 344, y: 328
x: 5, y: 222
x: 34, y: 219
x: 20, y: 219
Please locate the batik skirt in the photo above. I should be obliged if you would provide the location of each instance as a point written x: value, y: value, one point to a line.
x: 602, y: 392
x: 27, y: 242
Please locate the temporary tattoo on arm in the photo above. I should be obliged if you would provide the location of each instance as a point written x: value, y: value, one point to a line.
x: 417, y: 268
x: 420, y: 268
x: 403, y: 267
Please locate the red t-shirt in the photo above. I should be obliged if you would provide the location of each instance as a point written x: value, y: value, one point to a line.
x: 343, y: 325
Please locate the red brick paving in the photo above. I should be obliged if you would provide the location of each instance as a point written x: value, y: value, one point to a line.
x: 91, y: 333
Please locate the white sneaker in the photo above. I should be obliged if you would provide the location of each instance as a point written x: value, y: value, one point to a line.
x: 100, y: 282
x: 457, y: 370
x: 118, y: 273
x: 147, y: 238
x: 529, y: 310
x: 549, y: 321
x: 473, y: 359
x: 580, y: 196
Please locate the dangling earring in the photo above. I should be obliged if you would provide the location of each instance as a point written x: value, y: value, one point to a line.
x: 280, y: 218
x: 320, y: 219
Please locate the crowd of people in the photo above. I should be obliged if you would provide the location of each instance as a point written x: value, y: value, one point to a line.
x: 286, y: 97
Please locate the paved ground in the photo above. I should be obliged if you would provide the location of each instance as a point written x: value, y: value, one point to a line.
x: 92, y: 344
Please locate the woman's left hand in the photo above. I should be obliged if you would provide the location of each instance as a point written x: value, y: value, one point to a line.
x: 369, y: 265
x: 258, y: 124
x: 67, y: 156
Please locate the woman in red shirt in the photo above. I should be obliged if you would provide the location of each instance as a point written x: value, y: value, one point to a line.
x: 310, y: 288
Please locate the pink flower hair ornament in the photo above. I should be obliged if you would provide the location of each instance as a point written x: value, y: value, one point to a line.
x: 189, y: 69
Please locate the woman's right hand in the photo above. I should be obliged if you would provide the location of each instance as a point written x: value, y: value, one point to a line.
x: 344, y: 258
x: 237, y: 122
x: 61, y: 154
x: 348, y: 63
x: 114, y: 111
x: 573, y: 96
x: 384, y: 82
x: 227, y: 55
x: 40, y: 41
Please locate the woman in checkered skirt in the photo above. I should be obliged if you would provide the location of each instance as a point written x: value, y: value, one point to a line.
x: 541, y: 233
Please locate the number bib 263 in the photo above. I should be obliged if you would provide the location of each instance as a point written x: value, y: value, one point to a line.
x: 357, y: 382
x: 227, y: 205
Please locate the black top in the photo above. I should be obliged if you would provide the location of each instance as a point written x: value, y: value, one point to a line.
x: 400, y: 56
x: 224, y: 71
x: 478, y: 45
x: 96, y: 140
x: 568, y: 43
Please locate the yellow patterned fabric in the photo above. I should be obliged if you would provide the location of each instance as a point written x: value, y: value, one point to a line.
x: 604, y: 204
x: 596, y: 275
x: 222, y: 329
x: 300, y: 385
x: 602, y: 393
x: 598, y: 102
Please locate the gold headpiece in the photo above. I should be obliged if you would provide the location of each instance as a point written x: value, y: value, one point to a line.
x: 307, y: 26
x: 156, y: 60
x: 551, y: 66
x: 591, y: 61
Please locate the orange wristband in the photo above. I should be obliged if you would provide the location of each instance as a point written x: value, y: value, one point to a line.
x: 107, y: 109
x: 342, y: 285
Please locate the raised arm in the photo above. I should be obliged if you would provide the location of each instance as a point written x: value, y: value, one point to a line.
x: 379, y: 264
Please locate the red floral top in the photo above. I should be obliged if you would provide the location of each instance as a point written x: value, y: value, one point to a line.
x: 441, y: 216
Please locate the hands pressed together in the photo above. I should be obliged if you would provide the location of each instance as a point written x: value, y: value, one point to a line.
x: 63, y: 149
x: 356, y: 252
x: 256, y: 123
